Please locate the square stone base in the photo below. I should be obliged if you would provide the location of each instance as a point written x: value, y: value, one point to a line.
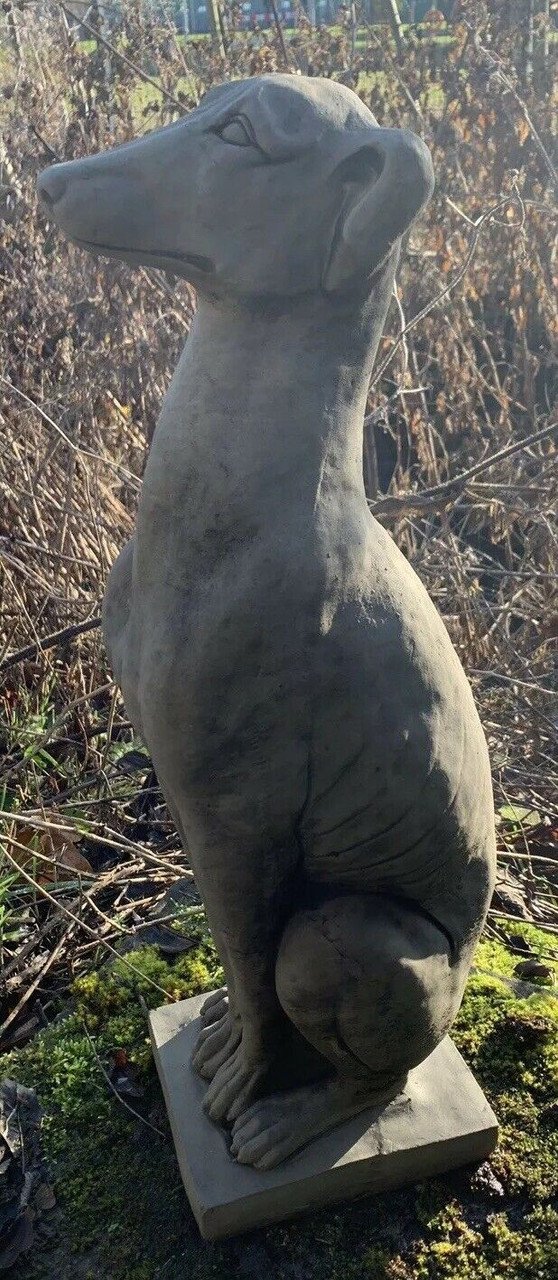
x: 441, y: 1121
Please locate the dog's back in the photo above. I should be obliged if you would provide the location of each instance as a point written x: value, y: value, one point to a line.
x: 400, y: 798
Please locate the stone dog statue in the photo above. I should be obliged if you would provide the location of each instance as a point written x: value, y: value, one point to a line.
x: 311, y: 726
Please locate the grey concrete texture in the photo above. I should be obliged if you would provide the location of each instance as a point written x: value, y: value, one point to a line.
x: 441, y: 1121
x: 309, y: 721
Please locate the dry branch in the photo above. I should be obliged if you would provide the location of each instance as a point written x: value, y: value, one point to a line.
x: 433, y: 499
x: 32, y: 651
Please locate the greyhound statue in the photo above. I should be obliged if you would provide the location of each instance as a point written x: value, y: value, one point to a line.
x: 311, y: 726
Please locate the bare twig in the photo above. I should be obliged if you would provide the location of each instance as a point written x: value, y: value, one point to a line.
x: 117, y: 53
x: 118, y: 1095
x: 86, y: 453
x: 436, y: 497
x: 49, y: 642
x: 478, y: 226
x: 279, y: 30
x: 496, y: 68
x: 44, y: 893
x: 28, y: 991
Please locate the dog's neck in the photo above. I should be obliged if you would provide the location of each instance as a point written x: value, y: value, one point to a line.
x: 267, y: 401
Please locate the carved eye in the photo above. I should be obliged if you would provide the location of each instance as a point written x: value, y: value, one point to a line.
x: 237, y: 132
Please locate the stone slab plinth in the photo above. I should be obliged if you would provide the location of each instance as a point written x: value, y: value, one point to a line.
x: 441, y: 1122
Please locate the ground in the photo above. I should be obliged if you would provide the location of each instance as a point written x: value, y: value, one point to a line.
x: 121, y: 1212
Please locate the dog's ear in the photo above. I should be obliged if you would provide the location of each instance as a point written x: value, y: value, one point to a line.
x: 386, y: 178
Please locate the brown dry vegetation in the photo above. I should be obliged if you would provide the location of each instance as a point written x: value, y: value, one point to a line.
x: 88, y: 349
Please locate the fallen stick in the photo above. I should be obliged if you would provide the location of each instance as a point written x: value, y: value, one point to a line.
x: 49, y: 642
x: 35, y: 983
x: 444, y: 492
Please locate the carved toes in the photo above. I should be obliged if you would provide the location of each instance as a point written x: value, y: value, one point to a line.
x: 214, y: 1007
x: 216, y: 1043
x: 233, y: 1088
x: 264, y: 1135
x: 218, y: 1050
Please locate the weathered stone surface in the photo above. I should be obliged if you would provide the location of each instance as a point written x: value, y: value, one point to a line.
x: 441, y: 1121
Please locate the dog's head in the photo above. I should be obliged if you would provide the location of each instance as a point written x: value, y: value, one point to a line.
x: 279, y: 185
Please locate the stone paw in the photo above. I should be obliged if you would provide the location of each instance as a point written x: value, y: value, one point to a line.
x: 234, y: 1086
x: 275, y: 1127
x: 214, y: 1007
x: 216, y: 1043
x: 270, y: 1131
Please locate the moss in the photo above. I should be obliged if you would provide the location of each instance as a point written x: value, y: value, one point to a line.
x: 495, y: 957
x: 512, y: 1046
x: 97, y: 1158
x: 112, y: 1002
x: 453, y: 1250
x: 123, y: 1208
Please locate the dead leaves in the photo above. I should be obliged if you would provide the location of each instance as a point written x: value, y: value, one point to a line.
x: 124, y: 1076
x: 522, y: 130
x: 48, y: 855
x: 533, y: 970
x: 23, y: 1189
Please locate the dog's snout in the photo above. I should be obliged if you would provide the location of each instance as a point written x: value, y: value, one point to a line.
x: 51, y: 185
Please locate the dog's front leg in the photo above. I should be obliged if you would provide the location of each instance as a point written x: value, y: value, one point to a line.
x: 247, y: 1037
x: 247, y: 893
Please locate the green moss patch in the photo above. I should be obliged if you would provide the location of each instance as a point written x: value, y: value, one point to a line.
x: 453, y: 1250
x: 511, y: 1045
x: 531, y: 943
x: 122, y: 1210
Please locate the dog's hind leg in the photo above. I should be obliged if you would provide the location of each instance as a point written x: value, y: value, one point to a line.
x: 371, y: 984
